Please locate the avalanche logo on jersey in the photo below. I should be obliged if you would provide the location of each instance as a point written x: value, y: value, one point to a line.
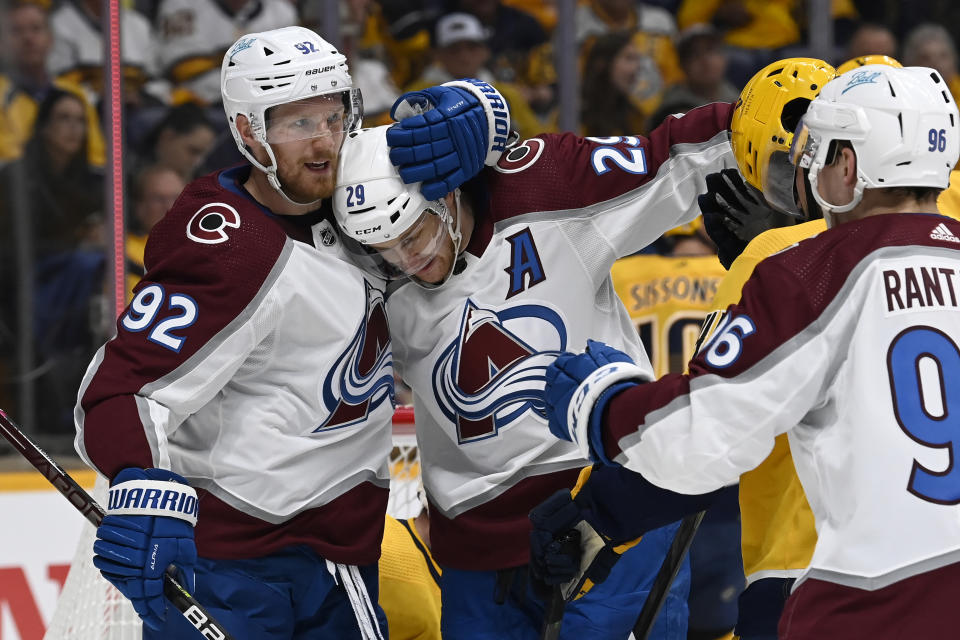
x: 208, y: 225
x: 362, y: 377
x: 489, y: 376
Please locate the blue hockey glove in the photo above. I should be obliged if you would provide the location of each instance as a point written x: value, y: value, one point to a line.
x: 734, y: 213
x: 148, y: 526
x: 446, y: 134
x: 578, y: 387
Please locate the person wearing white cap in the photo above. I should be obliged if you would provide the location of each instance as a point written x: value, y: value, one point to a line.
x: 462, y: 50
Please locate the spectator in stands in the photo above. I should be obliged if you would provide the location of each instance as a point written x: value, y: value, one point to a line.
x: 621, y: 87
x: 51, y: 221
x: 25, y: 42
x: 514, y: 36
x: 758, y: 30
x: 194, y: 35
x: 153, y: 190
x: 461, y: 50
x: 655, y: 29
x: 78, y: 52
x: 180, y: 141
x: 704, y: 62
x: 871, y: 38
x: 930, y: 45
x: 597, y: 17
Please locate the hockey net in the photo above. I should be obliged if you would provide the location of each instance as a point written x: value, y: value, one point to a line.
x: 90, y: 608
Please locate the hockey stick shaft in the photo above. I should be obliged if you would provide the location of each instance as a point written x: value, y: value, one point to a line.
x: 553, y: 616
x: 185, y: 603
x: 682, y: 540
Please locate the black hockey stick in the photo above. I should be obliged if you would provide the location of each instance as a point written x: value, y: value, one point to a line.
x: 185, y: 603
x: 665, y: 575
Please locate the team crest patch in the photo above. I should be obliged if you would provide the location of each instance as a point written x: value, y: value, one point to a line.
x: 209, y: 224
x: 520, y: 157
x: 494, y: 371
x: 361, y: 378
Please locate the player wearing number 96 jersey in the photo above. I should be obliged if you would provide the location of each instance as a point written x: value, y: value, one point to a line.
x: 495, y: 280
x: 848, y: 342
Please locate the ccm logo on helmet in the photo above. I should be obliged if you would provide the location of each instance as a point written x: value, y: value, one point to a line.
x: 311, y: 72
x: 363, y: 232
x: 208, y: 225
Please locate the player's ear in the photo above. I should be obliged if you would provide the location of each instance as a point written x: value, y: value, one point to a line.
x: 243, y: 128
x: 849, y: 159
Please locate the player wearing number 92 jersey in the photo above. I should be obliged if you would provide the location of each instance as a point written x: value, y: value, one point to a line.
x: 548, y: 222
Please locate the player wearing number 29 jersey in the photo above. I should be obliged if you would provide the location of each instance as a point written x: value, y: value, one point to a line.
x: 535, y: 280
x: 545, y: 225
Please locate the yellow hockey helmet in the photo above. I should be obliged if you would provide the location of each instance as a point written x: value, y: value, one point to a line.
x: 853, y: 63
x: 692, y: 228
x: 764, y: 119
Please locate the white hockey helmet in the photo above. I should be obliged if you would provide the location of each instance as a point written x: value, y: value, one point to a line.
x: 263, y: 70
x: 389, y: 228
x: 902, y: 124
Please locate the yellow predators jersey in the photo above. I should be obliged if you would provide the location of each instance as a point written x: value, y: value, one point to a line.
x: 668, y: 299
x: 778, y: 533
x: 409, y: 583
x: 949, y: 201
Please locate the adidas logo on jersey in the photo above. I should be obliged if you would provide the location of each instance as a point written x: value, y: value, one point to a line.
x: 942, y: 233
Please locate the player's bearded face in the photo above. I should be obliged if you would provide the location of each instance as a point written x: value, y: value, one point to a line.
x: 424, y: 251
x: 305, y: 137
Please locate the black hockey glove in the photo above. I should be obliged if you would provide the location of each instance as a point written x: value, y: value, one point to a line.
x: 734, y: 213
x: 566, y: 551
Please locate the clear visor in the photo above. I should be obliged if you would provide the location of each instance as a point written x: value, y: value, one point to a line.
x: 804, y: 147
x: 311, y: 118
x: 778, y: 187
x: 411, y: 252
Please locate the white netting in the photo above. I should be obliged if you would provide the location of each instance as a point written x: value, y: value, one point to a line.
x: 90, y: 608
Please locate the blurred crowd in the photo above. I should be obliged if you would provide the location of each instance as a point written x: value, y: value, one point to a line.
x: 638, y: 62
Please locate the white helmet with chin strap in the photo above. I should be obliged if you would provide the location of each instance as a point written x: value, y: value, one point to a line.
x: 902, y: 124
x: 389, y: 228
x: 263, y: 70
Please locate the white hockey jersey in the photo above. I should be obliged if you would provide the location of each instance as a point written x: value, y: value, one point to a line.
x: 849, y: 340
x: 255, y: 361
x: 559, y: 211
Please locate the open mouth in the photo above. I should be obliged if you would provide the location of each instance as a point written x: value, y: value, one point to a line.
x: 317, y: 166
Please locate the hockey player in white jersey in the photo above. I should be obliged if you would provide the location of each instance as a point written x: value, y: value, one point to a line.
x: 251, y: 374
x: 497, y: 278
x: 847, y: 341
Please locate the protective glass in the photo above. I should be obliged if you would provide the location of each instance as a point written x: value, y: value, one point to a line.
x: 305, y: 119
